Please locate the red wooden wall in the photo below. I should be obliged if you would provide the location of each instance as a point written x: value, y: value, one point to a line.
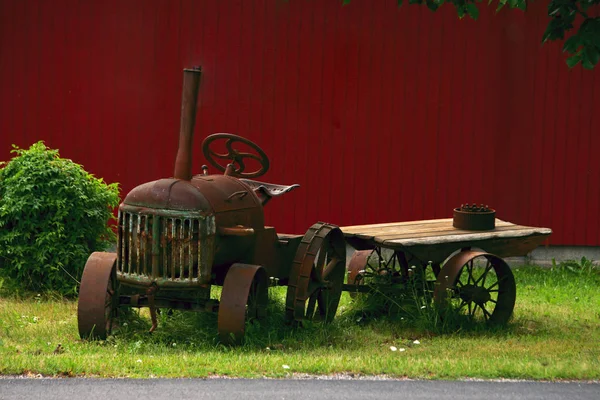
x: 381, y: 114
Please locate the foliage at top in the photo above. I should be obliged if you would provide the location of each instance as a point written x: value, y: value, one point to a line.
x: 53, y: 214
x: 583, y: 46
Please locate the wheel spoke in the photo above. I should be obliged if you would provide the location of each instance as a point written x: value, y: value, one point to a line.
x: 462, y: 304
x: 470, y: 270
x: 249, y: 155
x: 219, y: 155
x: 310, y: 307
x: 240, y: 162
x: 229, y: 145
x: 330, y: 267
x: 488, y: 267
x: 497, y: 283
x: 313, y: 286
x: 320, y: 263
x: 486, y: 313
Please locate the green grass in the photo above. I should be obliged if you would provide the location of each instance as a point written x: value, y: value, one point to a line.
x: 552, y: 336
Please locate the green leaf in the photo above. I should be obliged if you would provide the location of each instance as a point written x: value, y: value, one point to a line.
x: 587, y: 64
x: 573, y: 60
x: 521, y: 5
x: 571, y: 44
x: 591, y: 56
x: 472, y: 10
x: 433, y: 6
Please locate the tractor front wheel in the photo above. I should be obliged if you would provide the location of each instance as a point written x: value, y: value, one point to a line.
x: 98, y: 296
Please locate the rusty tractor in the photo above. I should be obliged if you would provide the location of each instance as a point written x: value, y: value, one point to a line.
x: 179, y: 236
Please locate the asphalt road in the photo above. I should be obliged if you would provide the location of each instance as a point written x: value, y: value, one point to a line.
x: 267, y: 389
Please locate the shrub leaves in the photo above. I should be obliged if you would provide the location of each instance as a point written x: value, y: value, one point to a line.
x: 53, y: 214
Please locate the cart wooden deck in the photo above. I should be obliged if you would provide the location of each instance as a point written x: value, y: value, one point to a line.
x: 434, y: 240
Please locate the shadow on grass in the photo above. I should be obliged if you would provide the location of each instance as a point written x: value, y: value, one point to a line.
x: 180, y: 329
x: 355, y: 323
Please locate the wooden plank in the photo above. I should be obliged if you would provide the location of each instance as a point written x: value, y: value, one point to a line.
x: 420, y: 228
x: 475, y: 237
x: 433, y: 236
x: 360, y: 228
x: 441, y: 232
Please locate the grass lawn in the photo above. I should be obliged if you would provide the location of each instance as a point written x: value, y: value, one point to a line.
x: 554, y: 335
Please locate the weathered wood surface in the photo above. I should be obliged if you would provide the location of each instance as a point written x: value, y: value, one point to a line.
x: 436, y: 239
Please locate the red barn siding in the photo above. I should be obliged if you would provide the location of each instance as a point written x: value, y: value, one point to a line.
x: 379, y: 113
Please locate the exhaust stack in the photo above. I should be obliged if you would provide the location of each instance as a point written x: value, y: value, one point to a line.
x: 189, y: 99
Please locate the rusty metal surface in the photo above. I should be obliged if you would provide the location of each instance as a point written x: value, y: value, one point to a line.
x: 234, y: 157
x: 265, y: 191
x: 474, y: 218
x: 356, y: 267
x: 243, y: 299
x: 226, y: 193
x: 98, y: 296
x: 493, y: 292
x: 177, y: 248
x: 317, y: 275
x: 189, y: 98
x: 168, y: 194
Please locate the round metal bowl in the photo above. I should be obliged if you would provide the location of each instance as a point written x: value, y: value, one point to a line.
x: 474, y: 221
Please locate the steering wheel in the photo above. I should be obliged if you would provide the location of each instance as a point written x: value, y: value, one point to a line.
x: 236, y: 157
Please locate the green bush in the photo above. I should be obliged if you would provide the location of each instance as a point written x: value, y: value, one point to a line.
x: 53, y: 214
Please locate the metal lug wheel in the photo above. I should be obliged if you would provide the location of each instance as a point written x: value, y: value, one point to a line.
x: 356, y: 268
x: 477, y: 284
x: 98, y: 296
x: 243, y: 300
x: 317, y: 275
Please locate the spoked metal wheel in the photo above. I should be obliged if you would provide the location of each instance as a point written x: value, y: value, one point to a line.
x: 98, y: 296
x: 317, y: 275
x: 477, y: 284
x: 243, y: 300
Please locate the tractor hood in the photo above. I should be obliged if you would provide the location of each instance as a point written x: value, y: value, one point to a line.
x: 170, y: 194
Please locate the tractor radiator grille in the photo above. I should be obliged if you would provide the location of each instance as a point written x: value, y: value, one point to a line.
x: 160, y: 247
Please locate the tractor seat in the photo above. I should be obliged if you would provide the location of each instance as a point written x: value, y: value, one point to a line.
x: 265, y: 191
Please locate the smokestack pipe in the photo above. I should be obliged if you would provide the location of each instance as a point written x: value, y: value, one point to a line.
x: 189, y: 99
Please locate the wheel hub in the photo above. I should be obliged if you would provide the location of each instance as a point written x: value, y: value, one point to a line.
x: 476, y: 294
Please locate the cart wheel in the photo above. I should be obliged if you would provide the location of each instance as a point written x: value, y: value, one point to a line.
x: 98, y: 296
x: 356, y: 267
x: 478, y: 284
x: 317, y: 275
x: 243, y: 300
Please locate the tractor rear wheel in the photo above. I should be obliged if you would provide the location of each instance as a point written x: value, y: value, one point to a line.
x: 317, y: 275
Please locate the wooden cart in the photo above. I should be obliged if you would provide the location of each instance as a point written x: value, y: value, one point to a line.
x: 468, y: 265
